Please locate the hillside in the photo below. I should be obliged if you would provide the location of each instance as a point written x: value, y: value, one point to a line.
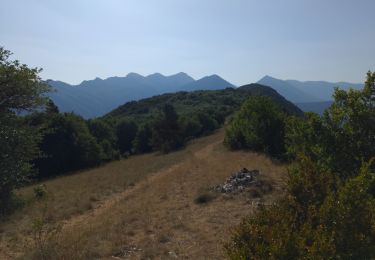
x: 93, y: 98
x: 142, y: 207
x: 225, y: 100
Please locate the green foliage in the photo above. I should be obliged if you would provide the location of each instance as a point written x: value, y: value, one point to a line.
x: 337, y: 224
x: 329, y: 208
x: 21, y: 86
x: 20, y: 89
x: 105, y: 135
x: 126, y: 132
x: 67, y: 145
x: 259, y: 126
x: 344, y: 137
x: 142, y: 141
x: 40, y: 191
x: 166, y: 135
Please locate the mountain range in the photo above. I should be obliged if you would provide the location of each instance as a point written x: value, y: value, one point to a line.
x: 93, y: 98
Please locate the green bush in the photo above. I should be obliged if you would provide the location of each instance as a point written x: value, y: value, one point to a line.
x: 259, y: 126
x: 40, y: 191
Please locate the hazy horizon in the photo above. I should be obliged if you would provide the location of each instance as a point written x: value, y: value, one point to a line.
x: 241, y: 41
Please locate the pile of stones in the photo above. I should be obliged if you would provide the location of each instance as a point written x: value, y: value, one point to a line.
x: 238, y: 181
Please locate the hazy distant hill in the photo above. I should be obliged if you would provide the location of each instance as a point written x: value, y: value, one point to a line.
x: 306, y: 91
x: 207, y: 83
x: 322, y: 90
x: 317, y: 107
x: 290, y: 92
x: 93, y: 98
x: 310, y: 96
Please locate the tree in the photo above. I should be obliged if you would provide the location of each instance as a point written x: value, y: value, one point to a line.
x: 20, y: 89
x: 259, y: 126
x: 344, y: 137
x: 142, y: 140
x: 67, y: 146
x: 105, y: 136
x: 126, y: 132
x: 167, y: 134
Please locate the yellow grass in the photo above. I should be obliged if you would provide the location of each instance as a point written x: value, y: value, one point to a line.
x: 143, y: 207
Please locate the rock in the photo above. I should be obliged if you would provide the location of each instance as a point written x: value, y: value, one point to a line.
x: 238, y: 181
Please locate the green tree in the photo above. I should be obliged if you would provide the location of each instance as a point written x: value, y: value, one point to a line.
x: 126, y: 132
x: 259, y: 126
x: 167, y: 134
x: 142, y: 141
x: 21, y: 89
x: 344, y: 137
x: 105, y: 136
x: 67, y: 146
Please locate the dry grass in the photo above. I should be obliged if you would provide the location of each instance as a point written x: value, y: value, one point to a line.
x: 157, y: 218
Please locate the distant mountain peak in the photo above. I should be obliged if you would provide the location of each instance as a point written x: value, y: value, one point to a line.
x: 156, y: 75
x: 134, y: 75
x: 268, y: 77
x: 181, y: 74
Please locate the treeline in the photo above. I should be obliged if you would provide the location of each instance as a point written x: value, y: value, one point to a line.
x: 328, y: 211
x: 162, y: 123
x: 69, y: 143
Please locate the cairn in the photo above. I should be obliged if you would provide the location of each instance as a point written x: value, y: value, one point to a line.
x: 238, y: 181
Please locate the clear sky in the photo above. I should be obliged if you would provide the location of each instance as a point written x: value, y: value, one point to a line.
x: 240, y: 40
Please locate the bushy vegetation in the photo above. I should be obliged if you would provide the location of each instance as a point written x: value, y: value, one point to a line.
x: 67, y: 144
x: 329, y: 209
x: 259, y: 126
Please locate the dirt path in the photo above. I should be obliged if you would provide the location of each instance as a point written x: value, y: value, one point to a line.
x: 106, y: 204
x: 159, y: 218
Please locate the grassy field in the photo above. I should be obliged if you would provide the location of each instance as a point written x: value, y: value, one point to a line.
x: 141, y: 207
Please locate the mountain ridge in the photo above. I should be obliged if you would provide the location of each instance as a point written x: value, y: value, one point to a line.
x: 96, y: 97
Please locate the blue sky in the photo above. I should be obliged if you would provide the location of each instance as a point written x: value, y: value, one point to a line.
x: 240, y: 40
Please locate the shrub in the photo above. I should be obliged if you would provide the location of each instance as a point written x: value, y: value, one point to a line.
x: 204, y: 198
x: 259, y: 126
x: 40, y: 191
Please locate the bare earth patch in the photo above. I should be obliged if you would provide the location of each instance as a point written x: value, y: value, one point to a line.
x: 157, y: 216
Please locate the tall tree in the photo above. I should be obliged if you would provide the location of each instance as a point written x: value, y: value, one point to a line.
x: 21, y: 89
x: 167, y: 135
x: 126, y: 132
